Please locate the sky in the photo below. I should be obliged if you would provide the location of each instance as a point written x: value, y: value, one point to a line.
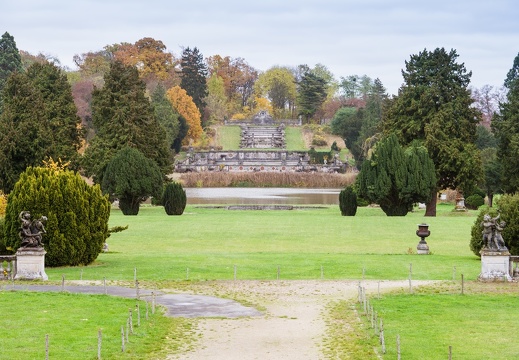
x: 350, y: 37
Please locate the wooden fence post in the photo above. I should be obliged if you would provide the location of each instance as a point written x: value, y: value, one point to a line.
x: 99, y: 343
x: 47, y: 347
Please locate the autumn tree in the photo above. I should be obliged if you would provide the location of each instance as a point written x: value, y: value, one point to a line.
x: 10, y: 60
x: 238, y: 77
x: 148, y: 55
x: 396, y: 178
x: 434, y: 105
x: 278, y: 85
x: 216, y: 100
x: 184, y: 105
x: 193, y: 76
x: 123, y: 116
x: 506, y: 129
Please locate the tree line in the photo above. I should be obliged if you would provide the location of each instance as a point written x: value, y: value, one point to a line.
x: 139, y: 95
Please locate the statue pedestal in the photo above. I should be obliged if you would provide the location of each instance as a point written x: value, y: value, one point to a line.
x: 30, y: 264
x: 495, y: 265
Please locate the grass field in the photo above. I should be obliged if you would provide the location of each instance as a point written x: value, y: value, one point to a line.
x: 72, y: 322
x: 215, y: 243
x: 218, y: 244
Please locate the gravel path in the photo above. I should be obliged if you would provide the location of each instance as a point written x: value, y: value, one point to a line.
x: 293, y: 324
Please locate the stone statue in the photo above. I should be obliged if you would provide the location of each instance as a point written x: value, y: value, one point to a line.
x: 31, y: 232
x: 492, y: 238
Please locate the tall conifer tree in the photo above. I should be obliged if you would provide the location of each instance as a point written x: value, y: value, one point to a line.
x: 123, y: 116
x: 194, y: 74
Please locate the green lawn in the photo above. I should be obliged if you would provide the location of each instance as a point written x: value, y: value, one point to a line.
x: 229, y: 137
x: 212, y: 243
x: 294, y: 139
x: 72, y: 322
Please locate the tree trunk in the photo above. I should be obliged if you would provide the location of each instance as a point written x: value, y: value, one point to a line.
x: 490, y: 199
x: 430, y: 207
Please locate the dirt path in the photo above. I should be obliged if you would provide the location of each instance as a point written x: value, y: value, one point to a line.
x: 293, y: 324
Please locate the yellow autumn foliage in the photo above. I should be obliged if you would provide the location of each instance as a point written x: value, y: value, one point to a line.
x: 183, y: 103
x: 3, y: 203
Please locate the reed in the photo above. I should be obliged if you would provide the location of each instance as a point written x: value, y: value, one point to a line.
x: 267, y: 179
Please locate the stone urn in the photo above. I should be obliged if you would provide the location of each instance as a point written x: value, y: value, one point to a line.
x: 423, y: 231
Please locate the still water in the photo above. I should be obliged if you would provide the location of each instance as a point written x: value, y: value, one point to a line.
x: 262, y: 196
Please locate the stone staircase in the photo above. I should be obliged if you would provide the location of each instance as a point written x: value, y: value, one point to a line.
x: 262, y: 137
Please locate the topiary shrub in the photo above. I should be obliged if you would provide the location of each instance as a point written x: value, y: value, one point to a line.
x: 77, y: 214
x: 131, y: 177
x: 348, y: 201
x: 174, y: 199
x: 474, y: 201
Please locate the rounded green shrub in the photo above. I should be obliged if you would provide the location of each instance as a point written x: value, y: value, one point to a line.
x: 77, y: 215
x: 174, y: 198
x: 348, y: 201
x: 508, y: 212
x: 474, y: 201
x: 131, y: 177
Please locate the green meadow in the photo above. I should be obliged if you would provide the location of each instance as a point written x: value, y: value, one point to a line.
x: 213, y: 243
x: 309, y: 243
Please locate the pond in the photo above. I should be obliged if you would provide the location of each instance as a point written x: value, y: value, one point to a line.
x: 262, y: 196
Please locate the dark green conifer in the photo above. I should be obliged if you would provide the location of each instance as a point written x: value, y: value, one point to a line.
x: 174, y: 199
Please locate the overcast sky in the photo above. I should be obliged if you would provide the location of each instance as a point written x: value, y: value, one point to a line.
x: 371, y: 37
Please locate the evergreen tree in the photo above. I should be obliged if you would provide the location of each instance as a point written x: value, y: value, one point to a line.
x: 77, y: 214
x: 506, y: 129
x: 165, y: 115
x: 10, y: 60
x: 174, y: 198
x: 23, y: 130
x: 347, y: 123
x: 434, y: 106
x: 123, y: 116
x: 396, y: 178
x: 131, y: 178
x: 311, y: 95
x: 64, y: 125
x: 193, y: 78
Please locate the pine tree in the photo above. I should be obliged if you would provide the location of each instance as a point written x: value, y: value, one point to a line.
x: 77, y: 214
x: 434, y: 106
x: 194, y: 77
x: 123, y: 116
x: 167, y: 117
x: 23, y: 130
x: 506, y: 129
x: 396, y: 178
x: 65, y: 132
x: 311, y: 95
x: 10, y: 60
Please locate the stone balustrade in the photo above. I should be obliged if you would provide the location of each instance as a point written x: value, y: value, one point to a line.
x: 7, y: 267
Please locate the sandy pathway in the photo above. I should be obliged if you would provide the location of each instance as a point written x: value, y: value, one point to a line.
x: 293, y: 324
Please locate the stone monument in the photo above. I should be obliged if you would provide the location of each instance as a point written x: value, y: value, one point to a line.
x: 30, y: 257
x: 495, y: 258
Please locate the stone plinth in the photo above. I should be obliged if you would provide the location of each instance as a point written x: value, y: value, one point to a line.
x: 30, y: 264
x: 495, y: 266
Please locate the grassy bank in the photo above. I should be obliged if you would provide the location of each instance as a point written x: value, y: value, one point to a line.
x: 215, y: 243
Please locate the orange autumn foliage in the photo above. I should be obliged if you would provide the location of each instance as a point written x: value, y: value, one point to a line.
x: 184, y: 105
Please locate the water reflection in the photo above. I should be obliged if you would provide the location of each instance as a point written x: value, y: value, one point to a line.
x: 262, y: 196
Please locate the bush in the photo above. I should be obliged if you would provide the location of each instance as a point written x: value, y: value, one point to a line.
x: 319, y: 140
x: 77, y: 214
x: 474, y: 201
x: 508, y: 206
x: 335, y: 147
x: 348, y: 201
x: 3, y: 245
x: 131, y: 177
x: 174, y: 199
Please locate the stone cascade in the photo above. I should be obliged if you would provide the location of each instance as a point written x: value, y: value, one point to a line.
x: 254, y: 160
x: 262, y: 137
